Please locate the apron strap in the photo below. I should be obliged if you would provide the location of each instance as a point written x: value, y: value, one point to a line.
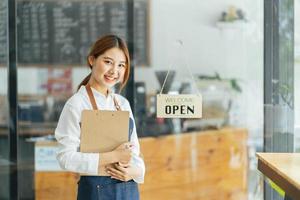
x: 91, y: 96
x: 117, y: 105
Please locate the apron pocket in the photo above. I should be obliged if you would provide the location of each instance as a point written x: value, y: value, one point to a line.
x: 127, y: 191
x: 98, y: 191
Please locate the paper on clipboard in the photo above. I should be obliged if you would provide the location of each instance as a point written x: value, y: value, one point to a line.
x: 103, y: 130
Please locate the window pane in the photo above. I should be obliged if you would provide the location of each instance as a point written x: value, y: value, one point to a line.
x: 297, y: 76
x: 221, y: 42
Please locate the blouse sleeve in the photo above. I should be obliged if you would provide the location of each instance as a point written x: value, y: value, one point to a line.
x: 67, y: 134
x: 136, y: 160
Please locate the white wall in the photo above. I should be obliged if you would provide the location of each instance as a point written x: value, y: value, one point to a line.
x: 233, y: 53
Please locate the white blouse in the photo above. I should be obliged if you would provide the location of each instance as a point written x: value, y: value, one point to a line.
x: 67, y: 133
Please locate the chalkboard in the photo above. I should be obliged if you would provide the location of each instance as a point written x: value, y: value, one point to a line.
x: 3, y: 31
x: 57, y: 32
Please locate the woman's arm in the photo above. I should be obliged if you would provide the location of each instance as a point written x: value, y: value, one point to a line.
x: 67, y: 134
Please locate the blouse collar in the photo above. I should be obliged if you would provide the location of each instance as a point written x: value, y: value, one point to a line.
x: 96, y: 92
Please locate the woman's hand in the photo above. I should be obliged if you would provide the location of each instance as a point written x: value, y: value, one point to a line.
x: 123, y: 152
x: 122, y: 171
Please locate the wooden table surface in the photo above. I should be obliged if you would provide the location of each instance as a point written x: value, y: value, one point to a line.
x: 283, y: 169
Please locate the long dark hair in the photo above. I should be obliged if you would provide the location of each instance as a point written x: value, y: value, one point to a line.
x: 99, y: 47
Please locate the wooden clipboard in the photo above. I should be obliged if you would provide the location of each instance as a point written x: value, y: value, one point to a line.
x: 103, y: 131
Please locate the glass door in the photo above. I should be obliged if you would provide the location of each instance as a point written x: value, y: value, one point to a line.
x: 221, y: 44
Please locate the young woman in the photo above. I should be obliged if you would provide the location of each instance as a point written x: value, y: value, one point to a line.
x: 110, y: 64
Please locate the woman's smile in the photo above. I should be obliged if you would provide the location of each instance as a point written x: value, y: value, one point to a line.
x: 110, y: 79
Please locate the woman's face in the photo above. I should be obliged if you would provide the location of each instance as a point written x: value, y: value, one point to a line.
x: 109, y: 68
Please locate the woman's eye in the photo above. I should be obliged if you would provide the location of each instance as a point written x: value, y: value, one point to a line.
x: 108, y: 62
x: 121, y: 65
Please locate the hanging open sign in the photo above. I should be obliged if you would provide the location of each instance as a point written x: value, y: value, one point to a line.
x: 179, y: 106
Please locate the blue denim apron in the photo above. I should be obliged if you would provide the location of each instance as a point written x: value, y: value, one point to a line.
x: 106, y: 188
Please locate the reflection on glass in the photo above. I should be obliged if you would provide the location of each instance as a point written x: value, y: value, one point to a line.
x: 297, y: 76
x: 223, y: 47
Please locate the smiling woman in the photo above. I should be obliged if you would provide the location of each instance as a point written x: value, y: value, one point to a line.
x: 113, y: 174
x: 109, y: 59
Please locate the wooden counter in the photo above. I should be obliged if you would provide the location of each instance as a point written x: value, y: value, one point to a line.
x: 200, y: 165
x: 283, y: 169
x: 27, y: 129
